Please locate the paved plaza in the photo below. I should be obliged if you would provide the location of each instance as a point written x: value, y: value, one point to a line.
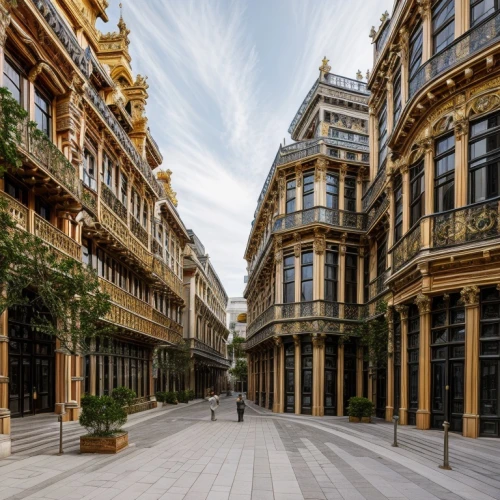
x: 177, y: 453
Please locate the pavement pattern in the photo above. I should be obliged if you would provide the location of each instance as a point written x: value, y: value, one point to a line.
x: 177, y: 453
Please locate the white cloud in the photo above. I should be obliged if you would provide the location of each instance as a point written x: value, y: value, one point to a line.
x: 215, y: 107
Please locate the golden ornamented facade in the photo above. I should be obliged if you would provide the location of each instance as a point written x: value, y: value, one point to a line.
x: 428, y: 250
x: 88, y: 190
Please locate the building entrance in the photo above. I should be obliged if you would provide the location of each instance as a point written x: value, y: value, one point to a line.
x: 31, y: 366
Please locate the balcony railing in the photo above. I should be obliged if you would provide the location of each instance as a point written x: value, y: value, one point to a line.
x: 465, y: 225
x: 378, y: 286
x: 374, y: 190
x: 53, y: 161
x: 332, y: 217
x: 478, y: 38
x: 375, y: 213
x: 17, y: 211
x: 89, y: 198
x: 298, y: 310
x: 347, y: 83
x: 406, y: 248
x: 165, y: 273
x: 200, y: 346
x: 113, y: 202
x: 57, y: 239
x: 139, y: 232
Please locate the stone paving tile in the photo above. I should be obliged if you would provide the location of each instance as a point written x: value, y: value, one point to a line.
x: 181, y: 455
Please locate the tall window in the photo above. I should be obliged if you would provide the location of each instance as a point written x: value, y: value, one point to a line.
x: 43, y: 114
x: 290, y: 196
x: 382, y: 136
x: 308, y: 195
x: 484, y: 158
x: 332, y: 191
x: 396, y: 97
x: 331, y: 275
x: 481, y: 9
x: 366, y: 278
x: 89, y: 171
x: 107, y: 172
x: 443, y: 24
x: 144, y: 214
x: 381, y: 256
x: 12, y: 80
x: 289, y: 279
x: 444, y: 174
x: 306, y: 293
x: 413, y: 355
x: 351, y: 275
x: 417, y: 192
x: 124, y: 190
x: 398, y: 208
x: 350, y: 194
x: 416, y: 44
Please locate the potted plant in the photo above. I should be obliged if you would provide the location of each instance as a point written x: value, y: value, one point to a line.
x: 124, y: 397
x: 103, y: 418
x: 360, y: 410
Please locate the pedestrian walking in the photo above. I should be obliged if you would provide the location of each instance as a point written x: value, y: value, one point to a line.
x: 213, y: 405
x: 240, y: 407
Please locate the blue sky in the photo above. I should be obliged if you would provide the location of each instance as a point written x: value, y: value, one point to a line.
x: 225, y: 80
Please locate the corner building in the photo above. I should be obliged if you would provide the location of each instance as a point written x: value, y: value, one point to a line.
x: 305, y: 256
x: 87, y: 189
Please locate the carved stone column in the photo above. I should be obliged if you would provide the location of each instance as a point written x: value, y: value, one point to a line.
x: 389, y: 409
x: 298, y: 187
x: 278, y: 344
x: 318, y: 396
x: 340, y: 380
x: 298, y: 378
x: 281, y: 379
x: 461, y: 155
x: 320, y: 182
x: 405, y: 174
x: 423, y: 303
x: 425, y: 12
x: 319, y: 246
x: 403, y: 411
x: 404, y: 38
x: 470, y: 297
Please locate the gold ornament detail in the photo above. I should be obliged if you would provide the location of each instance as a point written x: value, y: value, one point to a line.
x: 325, y: 68
x: 423, y: 302
x: 403, y: 311
x: 470, y: 295
x: 164, y: 176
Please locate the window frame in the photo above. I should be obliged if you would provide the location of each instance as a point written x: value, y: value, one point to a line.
x: 415, y: 53
x: 383, y: 136
x: 335, y: 187
x: 334, y: 267
x: 45, y: 114
x: 288, y: 267
x: 437, y: 10
x: 11, y: 64
x: 308, y: 279
x: 447, y: 177
x: 89, y: 177
x: 420, y: 199
x: 479, y: 20
x: 291, y: 196
x: 308, y: 191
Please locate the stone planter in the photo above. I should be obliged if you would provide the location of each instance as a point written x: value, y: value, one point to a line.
x: 364, y: 420
x: 113, y: 444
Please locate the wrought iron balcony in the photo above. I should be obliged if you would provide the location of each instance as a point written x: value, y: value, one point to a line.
x: 374, y: 190
x: 378, y: 286
x: 375, y: 213
x: 313, y: 309
x: 476, y: 39
x: 89, y: 199
x: 205, y: 350
x: 406, y: 248
x: 320, y: 215
x: 465, y: 225
x: 113, y: 202
x: 46, y: 154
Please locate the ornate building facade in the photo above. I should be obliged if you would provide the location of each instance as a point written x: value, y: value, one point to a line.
x: 305, y: 256
x: 205, y: 324
x: 88, y: 190
x: 428, y: 247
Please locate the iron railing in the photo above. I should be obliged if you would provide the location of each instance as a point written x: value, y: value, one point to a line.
x: 333, y: 217
x: 347, y: 83
x: 373, y: 191
x: 406, y: 248
x: 378, y: 286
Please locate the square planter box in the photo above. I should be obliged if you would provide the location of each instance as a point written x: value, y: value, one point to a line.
x: 113, y: 444
x: 364, y: 420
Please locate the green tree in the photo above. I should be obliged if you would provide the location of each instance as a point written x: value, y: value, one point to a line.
x: 235, y: 347
x: 240, y: 370
x: 176, y: 360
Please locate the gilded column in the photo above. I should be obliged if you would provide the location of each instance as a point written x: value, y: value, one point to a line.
x: 389, y: 409
x: 297, y: 249
x: 319, y: 246
x: 318, y: 408
x: 428, y: 146
x: 373, y: 137
x: 424, y: 10
x: 298, y: 186
x: 461, y: 156
x: 343, y: 173
x: 404, y: 39
x: 320, y: 182
x: 403, y: 411
x: 389, y: 191
x: 340, y: 380
x: 390, y: 104
x: 424, y: 362
x: 470, y: 297
x: 462, y: 17
x: 405, y: 174
x: 268, y: 377
x: 298, y: 367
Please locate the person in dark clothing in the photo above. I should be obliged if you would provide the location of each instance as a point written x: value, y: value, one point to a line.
x: 240, y: 407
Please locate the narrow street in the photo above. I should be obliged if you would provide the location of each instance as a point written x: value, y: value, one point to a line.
x: 177, y: 453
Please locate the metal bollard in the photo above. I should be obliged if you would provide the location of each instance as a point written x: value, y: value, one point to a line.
x: 60, y: 419
x: 396, y: 419
x: 446, y: 462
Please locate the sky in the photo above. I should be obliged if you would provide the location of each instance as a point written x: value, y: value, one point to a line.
x: 226, y: 78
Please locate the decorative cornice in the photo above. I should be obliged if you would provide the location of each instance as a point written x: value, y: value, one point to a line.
x: 470, y: 295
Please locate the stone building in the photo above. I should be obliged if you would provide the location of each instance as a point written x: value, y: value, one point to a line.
x: 428, y: 248
x: 88, y: 191
x: 205, y: 321
x: 306, y: 257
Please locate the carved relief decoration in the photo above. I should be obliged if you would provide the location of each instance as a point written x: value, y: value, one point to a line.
x: 319, y: 243
x: 297, y: 247
x: 470, y: 295
x: 423, y: 302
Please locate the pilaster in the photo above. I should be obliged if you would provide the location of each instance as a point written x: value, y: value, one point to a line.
x: 403, y: 411
x: 389, y: 409
x: 470, y: 297
x: 319, y: 246
x: 425, y: 12
x: 298, y: 366
x: 461, y: 165
x: 405, y: 174
x: 318, y: 402
x: 281, y: 379
x: 340, y: 380
x: 359, y: 371
x: 404, y: 39
x: 278, y: 344
x: 423, y: 303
